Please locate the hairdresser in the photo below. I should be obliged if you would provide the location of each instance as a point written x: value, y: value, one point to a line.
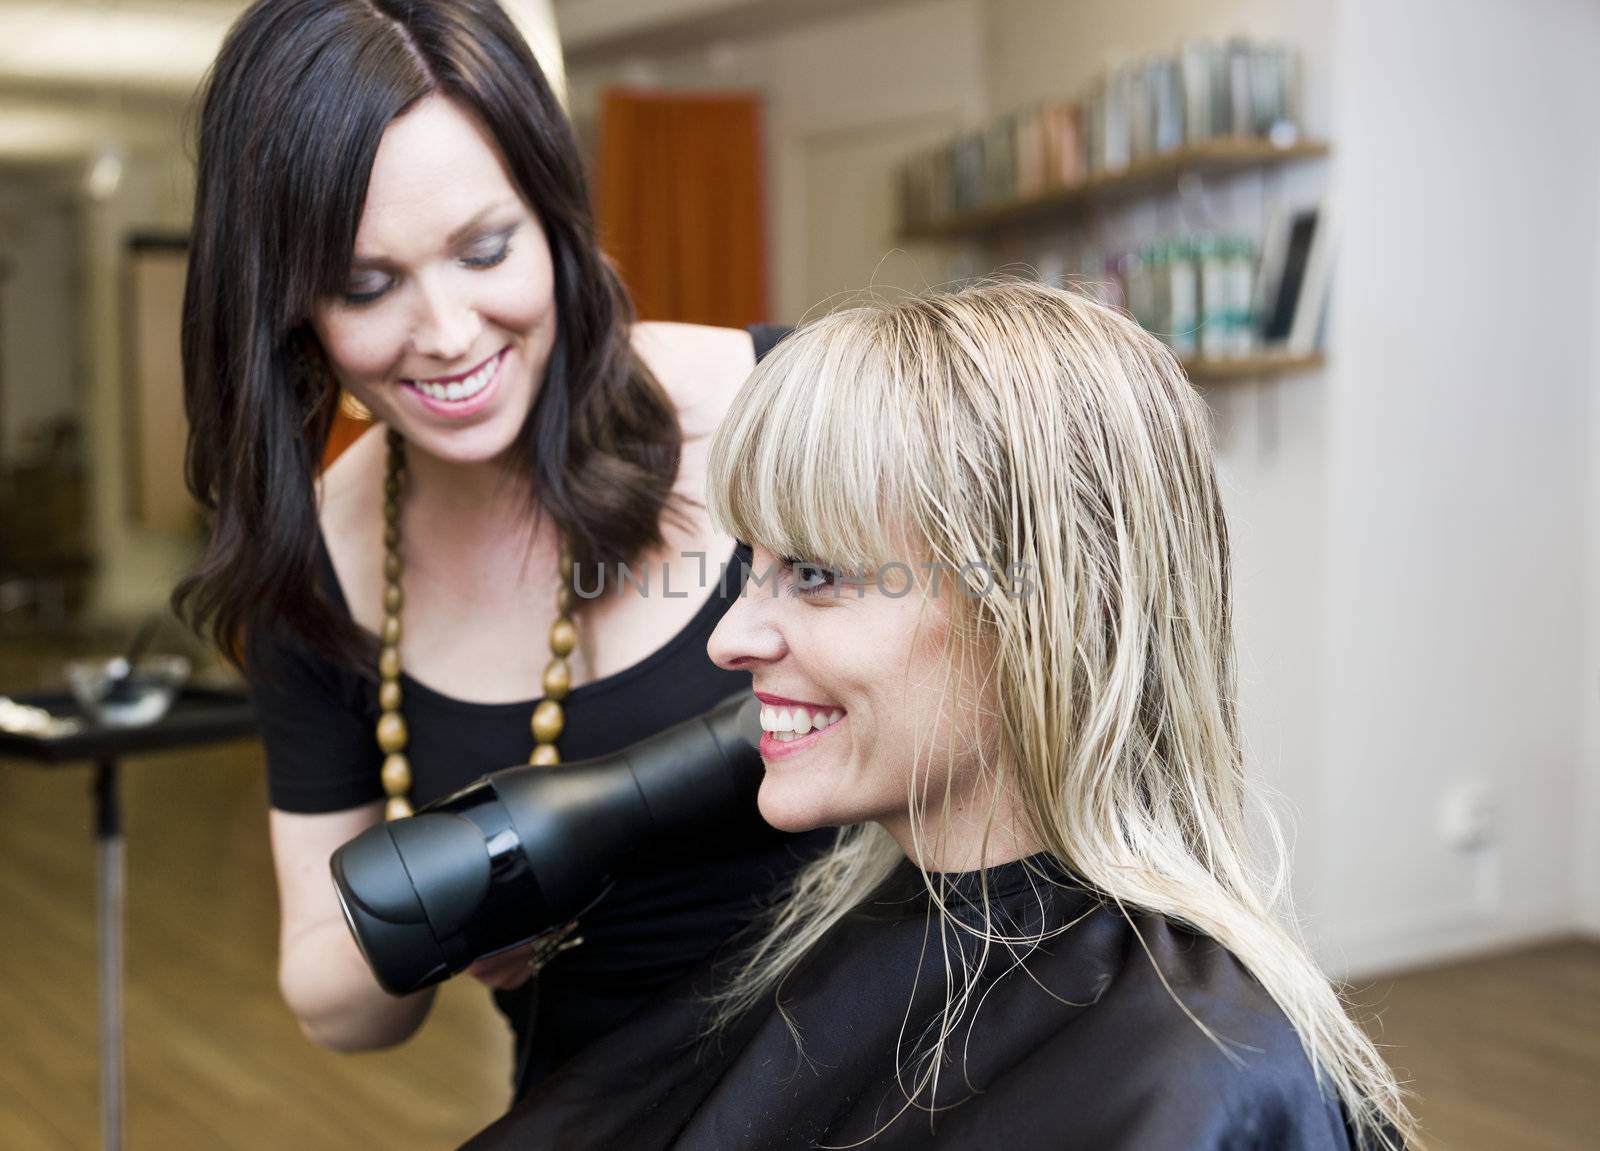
x: 390, y: 203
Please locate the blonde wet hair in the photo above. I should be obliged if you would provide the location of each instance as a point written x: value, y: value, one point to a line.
x: 1017, y: 428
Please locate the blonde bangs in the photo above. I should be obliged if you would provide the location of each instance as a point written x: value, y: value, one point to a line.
x: 808, y: 463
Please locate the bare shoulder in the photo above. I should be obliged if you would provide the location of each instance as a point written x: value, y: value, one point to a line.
x: 349, y: 503
x: 351, y: 486
x: 699, y: 367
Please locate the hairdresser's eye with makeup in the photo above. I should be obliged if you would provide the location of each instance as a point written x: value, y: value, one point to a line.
x: 365, y: 288
x: 489, y: 250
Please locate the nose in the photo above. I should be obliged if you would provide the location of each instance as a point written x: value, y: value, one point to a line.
x: 446, y: 326
x: 748, y: 636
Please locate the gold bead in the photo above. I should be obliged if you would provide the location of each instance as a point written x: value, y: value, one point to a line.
x: 393, y: 598
x: 391, y: 484
x: 389, y: 662
x: 548, y: 720
x: 392, y: 731
x: 396, y: 775
x: 564, y: 599
x: 398, y: 807
x: 557, y: 679
x: 391, y: 536
x: 563, y: 636
x: 545, y: 755
x: 391, y: 631
x: 564, y: 564
x: 391, y: 512
x: 393, y: 568
x: 389, y: 695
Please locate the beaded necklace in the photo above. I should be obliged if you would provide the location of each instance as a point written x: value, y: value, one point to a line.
x: 549, y: 716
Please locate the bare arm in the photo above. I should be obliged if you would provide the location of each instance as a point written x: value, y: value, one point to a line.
x: 324, y: 980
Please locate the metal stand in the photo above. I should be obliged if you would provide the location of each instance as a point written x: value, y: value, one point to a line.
x: 111, y: 885
x: 199, y: 717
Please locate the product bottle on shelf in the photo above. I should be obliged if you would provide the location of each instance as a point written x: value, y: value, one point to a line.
x: 1159, y: 262
x: 1183, y: 296
x: 1241, y: 267
x: 1140, y: 288
x: 1215, y: 326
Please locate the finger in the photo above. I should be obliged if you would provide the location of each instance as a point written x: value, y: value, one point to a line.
x: 502, y: 972
x: 504, y: 980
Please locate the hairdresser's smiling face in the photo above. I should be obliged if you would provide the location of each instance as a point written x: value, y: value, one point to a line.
x: 876, y: 660
x: 445, y: 325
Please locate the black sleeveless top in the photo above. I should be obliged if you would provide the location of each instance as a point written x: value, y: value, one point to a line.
x: 318, y: 721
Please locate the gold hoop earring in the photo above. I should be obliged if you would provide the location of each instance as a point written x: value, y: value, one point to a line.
x: 354, y: 409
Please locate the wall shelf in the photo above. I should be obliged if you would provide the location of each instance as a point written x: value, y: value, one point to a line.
x: 1209, y: 157
x: 1260, y: 365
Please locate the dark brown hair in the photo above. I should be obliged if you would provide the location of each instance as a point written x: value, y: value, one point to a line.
x: 288, y: 124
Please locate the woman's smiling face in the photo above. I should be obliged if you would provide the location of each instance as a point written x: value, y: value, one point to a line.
x: 873, y: 658
x: 446, y: 323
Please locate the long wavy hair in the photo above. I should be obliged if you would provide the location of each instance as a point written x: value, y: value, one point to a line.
x: 288, y: 125
x: 1015, y: 424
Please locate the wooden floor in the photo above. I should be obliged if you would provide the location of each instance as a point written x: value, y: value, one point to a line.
x: 214, y: 1060
x: 1504, y: 1053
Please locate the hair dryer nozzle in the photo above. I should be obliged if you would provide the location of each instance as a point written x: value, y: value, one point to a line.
x: 524, y: 850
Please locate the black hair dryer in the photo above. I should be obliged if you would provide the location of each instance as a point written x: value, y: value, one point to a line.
x: 523, y: 851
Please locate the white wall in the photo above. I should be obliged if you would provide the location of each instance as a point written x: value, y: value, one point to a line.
x: 1458, y: 492
x: 1588, y: 806
x: 845, y: 98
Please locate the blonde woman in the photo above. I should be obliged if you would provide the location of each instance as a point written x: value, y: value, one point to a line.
x: 989, y: 619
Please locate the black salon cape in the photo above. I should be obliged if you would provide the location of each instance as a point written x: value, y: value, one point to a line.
x: 1084, y: 1049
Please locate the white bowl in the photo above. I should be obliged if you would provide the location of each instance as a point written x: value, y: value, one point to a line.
x: 144, y: 695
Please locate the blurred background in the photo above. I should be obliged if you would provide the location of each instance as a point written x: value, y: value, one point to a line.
x: 1372, y: 228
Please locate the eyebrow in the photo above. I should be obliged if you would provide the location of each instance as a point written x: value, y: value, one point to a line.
x: 455, y: 237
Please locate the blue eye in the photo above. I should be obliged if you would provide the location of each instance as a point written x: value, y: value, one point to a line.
x: 807, y: 578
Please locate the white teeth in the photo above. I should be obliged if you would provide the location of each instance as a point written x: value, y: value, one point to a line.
x: 459, y: 389
x: 791, y: 723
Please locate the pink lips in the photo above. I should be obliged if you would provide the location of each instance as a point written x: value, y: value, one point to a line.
x: 773, y: 748
x: 780, y: 701
x: 460, y: 409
